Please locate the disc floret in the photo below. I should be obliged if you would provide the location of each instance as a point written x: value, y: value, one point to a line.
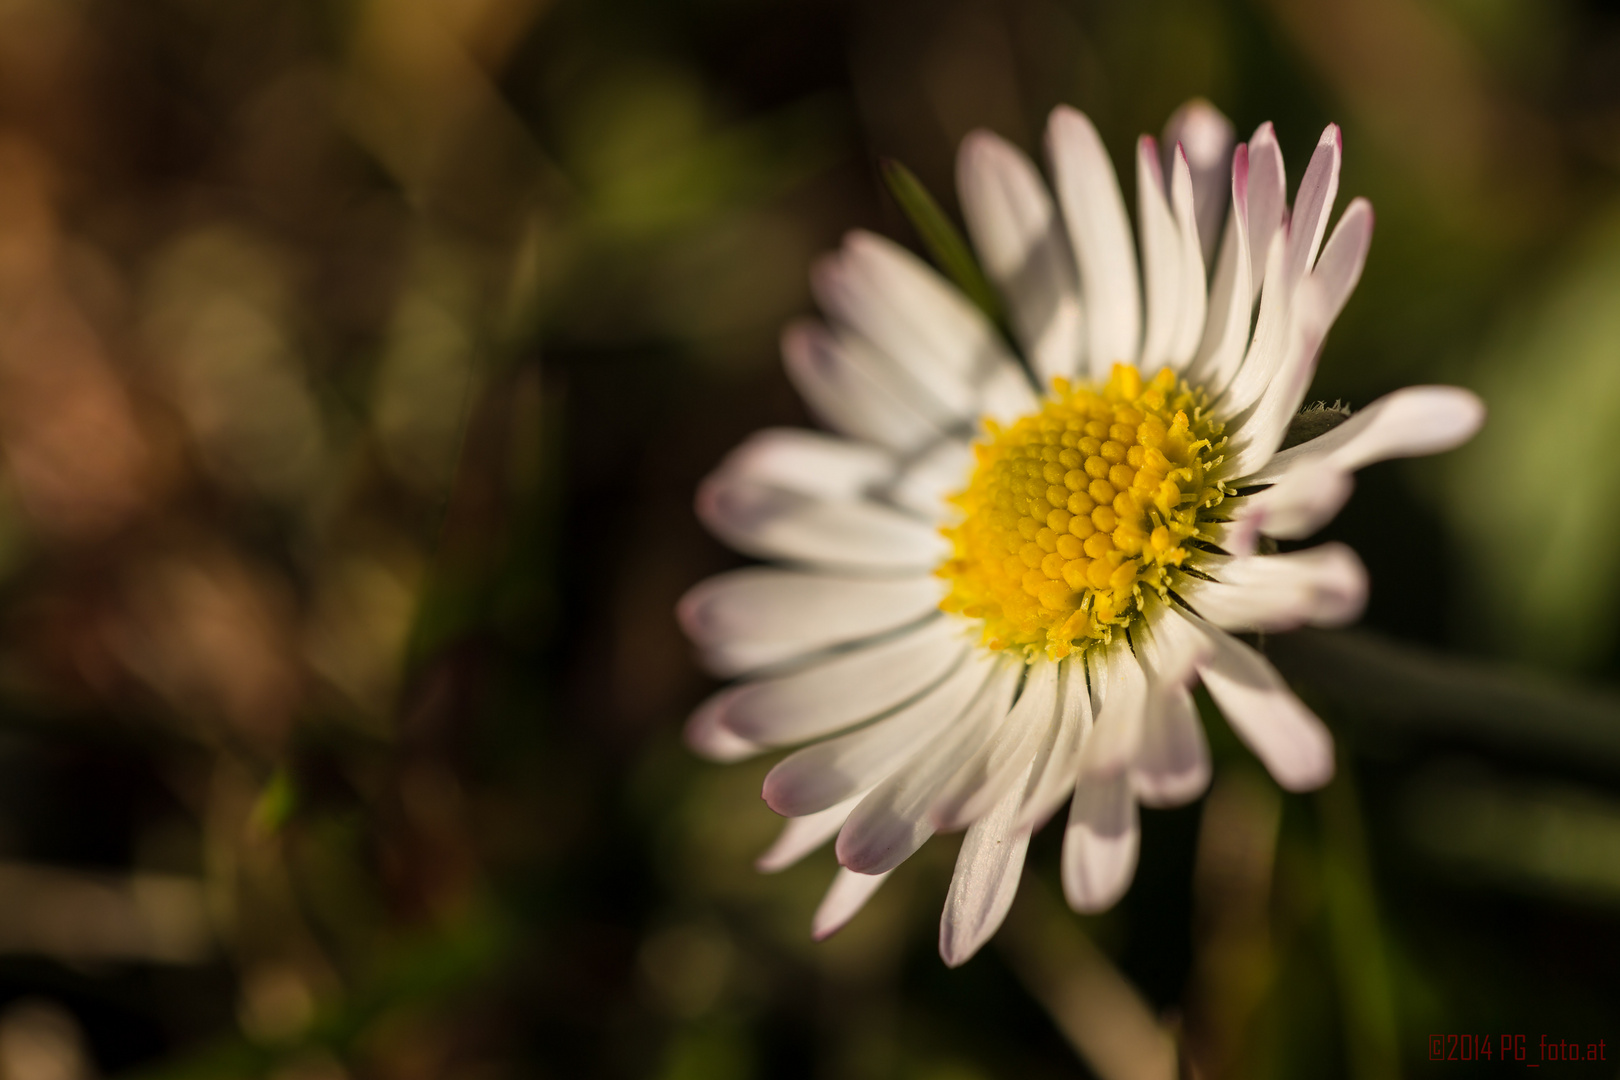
x: 1074, y: 510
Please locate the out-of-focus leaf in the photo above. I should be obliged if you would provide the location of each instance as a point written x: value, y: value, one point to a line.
x: 417, y: 971
x: 1533, y: 836
x: 713, y: 1051
x: 1396, y: 689
x: 1101, y: 1014
x: 687, y: 183
x: 1535, y: 499
x: 275, y: 804
x: 1356, y: 938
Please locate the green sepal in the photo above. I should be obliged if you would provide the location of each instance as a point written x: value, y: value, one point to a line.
x: 941, y: 238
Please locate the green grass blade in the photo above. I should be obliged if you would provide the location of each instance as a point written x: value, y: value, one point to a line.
x: 941, y: 238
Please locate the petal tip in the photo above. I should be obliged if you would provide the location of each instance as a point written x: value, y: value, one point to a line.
x: 956, y: 953
x: 1310, y: 779
x: 983, y: 143
x: 707, y: 735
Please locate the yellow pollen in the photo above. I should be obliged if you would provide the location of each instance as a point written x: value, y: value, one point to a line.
x: 1074, y: 510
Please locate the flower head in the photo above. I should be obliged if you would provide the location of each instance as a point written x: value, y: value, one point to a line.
x: 1004, y: 575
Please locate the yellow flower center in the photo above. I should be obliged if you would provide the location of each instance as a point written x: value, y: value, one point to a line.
x: 1072, y: 511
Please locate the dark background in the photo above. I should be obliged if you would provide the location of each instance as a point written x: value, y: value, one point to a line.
x: 357, y: 364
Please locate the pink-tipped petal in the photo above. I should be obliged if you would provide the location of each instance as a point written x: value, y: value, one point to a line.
x: 1205, y: 135
x: 892, y: 822
x: 708, y: 738
x: 802, y: 835
x: 1313, y: 203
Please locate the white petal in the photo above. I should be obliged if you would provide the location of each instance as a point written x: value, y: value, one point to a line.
x: 1286, y: 736
x: 1411, y: 422
x: 780, y: 523
x: 930, y: 329
x: 1256, y: 437
x: 927, y: 480
x: 1005, y: 394
x: 1322, y: 586
x: 844, y: 689
x: 1192, y: 298
x: 1121, y: 707
x: 1317, y: 304
x: 1299, y: 237
x: 1099, y: 232
x: 1339, y: 268
x: 816, y: 777
x: 1206, y: 137
x: 1272, y: 335
x: 1100, y: 843
x: 1169, y: 651
x: 1268, y: 242
x: 1161, y: 257
x: 1304, y: 500
x: 1172, y: 765
x: 757, y: 616
x: 802, y: 835
x: 810, y: 462
x: 1004, y: 759
x: 1278, y: 368
x: 988, y: 867
x: 845, y: 898
x: 851, y: 387
x: 708, y: 738
x: 1057, y: 761
x: 1226, y: 333
x: 1021, y: 244
x: 1266, y: 196
x: 892, y: 822
x: 1313, y: 203
x: 1313, y: 480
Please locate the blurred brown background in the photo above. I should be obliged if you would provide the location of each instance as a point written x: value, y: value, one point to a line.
x: 357, y: 363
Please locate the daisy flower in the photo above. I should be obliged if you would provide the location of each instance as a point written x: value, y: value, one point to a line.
x: 998, y: 582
